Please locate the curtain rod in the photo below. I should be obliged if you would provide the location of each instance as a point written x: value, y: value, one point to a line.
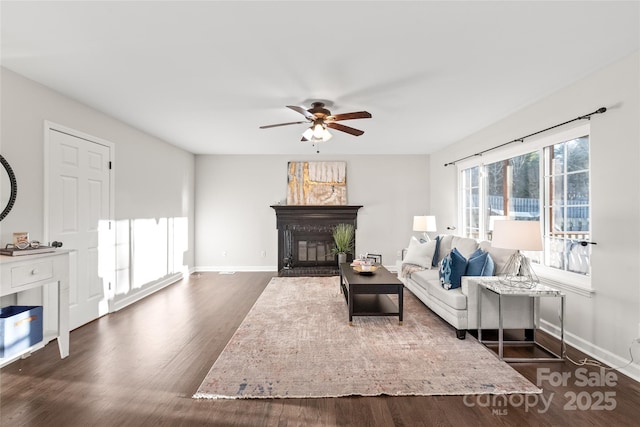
x: 521, y: 139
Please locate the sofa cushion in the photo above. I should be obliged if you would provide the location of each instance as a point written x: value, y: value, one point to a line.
x: 422, y: 278
x: 465, y: 245
x: 428, y: 280
x: 480, y: 264
x: 452, y: 268
x: 444, y: 247
x: 454, y: 298
x: 446, y: 242
x: 419, y: 253
x: 499, y: 256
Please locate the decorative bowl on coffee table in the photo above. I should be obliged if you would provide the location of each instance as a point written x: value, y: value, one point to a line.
x: 364, y: 269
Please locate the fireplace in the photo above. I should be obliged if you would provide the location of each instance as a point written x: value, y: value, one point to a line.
x: 305, y: 238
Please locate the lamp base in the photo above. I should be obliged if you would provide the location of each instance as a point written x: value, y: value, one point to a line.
x: 518, y: 273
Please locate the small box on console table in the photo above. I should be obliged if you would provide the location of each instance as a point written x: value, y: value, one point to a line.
x: 20, y: 328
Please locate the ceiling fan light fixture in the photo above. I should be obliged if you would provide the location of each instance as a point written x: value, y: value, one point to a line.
x: 308, y: 134
x: 318, y: 130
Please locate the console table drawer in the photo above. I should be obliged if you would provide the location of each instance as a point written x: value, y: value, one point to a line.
x: 31, y: 273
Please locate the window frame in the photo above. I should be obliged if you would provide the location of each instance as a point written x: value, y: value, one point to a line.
x: 576, y: 282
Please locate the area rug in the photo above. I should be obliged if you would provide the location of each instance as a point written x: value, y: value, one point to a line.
x: 296, y: 342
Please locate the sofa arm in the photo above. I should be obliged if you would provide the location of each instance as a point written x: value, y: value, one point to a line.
x: 471, y: 288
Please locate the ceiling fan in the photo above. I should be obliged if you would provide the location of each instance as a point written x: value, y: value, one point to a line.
x: 321, y: 119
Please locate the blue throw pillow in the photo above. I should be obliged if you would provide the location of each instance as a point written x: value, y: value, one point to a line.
x: 477, y: 252
x: 489, y: 267
x: 452, y: 269
x: 436, y: 254
x: 445, y: 271
x: 480, y: 265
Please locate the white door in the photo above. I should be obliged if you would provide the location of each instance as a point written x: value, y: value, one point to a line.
x: 79, y: 213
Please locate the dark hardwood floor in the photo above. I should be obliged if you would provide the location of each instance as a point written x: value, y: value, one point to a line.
x: 141, y: 365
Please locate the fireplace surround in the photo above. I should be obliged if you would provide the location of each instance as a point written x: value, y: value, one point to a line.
x: 305, y: 237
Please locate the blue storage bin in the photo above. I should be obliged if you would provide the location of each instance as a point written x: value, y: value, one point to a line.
x: 20, y: 328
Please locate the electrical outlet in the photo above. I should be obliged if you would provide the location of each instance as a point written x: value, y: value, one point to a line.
x: 224, y: 253
x: 263, y: 254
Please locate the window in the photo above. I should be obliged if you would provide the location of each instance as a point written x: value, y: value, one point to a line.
x: 546, y: 181
x: 471, y: 202
x: 566, y: 181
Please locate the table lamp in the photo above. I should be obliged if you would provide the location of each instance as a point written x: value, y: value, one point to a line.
x: 425, y: 224
x: 521, y: 236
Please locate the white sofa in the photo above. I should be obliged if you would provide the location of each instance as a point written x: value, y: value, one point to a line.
x: 459, y: 306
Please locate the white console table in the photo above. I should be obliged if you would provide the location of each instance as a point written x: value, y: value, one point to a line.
x: 26, y: 274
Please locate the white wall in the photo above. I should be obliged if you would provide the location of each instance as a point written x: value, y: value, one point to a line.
x: 234, y: 195
x: 154, y: 180
x: 605, y: 323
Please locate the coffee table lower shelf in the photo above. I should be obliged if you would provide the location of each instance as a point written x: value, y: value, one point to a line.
x: 373, y: 305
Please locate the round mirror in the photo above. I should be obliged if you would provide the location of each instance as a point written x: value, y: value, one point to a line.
x: 8, y: 188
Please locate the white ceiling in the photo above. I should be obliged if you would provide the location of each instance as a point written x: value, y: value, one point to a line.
x: 204, y: 75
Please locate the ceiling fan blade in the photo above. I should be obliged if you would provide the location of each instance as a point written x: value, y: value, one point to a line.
x: 343, y: 128
x: 302, y: 111
x: 281, y: 124
x: 350, y: 116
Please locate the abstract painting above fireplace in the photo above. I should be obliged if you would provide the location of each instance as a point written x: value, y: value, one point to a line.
x: 317, y: 183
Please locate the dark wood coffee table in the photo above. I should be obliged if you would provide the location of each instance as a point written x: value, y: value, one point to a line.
x: 367, y: 294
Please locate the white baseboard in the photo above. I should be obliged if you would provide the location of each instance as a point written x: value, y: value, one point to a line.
x: 119, y: 304
x: 605, y: 356
x: 200, y: 269
x: 216, y: 268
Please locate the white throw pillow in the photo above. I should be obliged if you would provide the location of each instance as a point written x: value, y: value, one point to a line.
x: 420, y: 253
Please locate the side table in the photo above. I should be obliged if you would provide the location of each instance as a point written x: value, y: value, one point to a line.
x: 504, y: 291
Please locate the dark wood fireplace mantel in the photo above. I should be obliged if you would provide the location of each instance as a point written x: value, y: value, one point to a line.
x: 299, y: 224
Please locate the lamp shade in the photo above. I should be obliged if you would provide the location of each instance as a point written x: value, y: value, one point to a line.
x: 522, y: 235
x: 424, y: 223
x: 494, y: 218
